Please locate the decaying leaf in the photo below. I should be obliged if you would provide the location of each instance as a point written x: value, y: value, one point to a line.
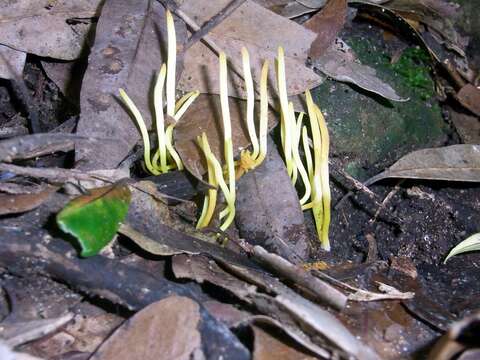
x: 202, y: 269
x: 23, y: 21
x: 237, y: 280
x: 261, y: 32
x: 204, y: 115
x: 18, y: 333
x: 472, y: 243
x: 469, y: 96
x: 127, y: 54
x: 67, y: 76
x: 167, y: 329
x: 156, y: 230
x: 94, y: 218
x: 11, y: 60
x: 338, y: 64
x: 327, y: 23
x: 34, y: 145
x: 18, y: 203
x: 451, y: 163
x: 437, y: 15
x: 467, y: 126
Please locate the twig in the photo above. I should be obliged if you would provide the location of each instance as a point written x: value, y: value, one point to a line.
x: 325, y: 293
x: 213, y: 22
x: 234, y: 65
x: 390, y: 293
x: 386, y: 201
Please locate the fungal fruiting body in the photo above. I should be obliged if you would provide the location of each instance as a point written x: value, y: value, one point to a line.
x: 248, y: 160
x: 213, y: 166
x: 165, y: 157
x: 315, y: 176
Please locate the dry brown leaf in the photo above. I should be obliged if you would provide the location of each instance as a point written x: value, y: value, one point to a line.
x: 338, y: 64
x: 269, y: 347
x: 467, y: 126
x: 261, y: 32
x: 166, y: 329
x: 438, y: 15
x: 202, y: 269
x: 67, y: 76
x: 204, y: 115
x: 18, y: 203
x: 451, y: 163
x: 469, y: 96
x: 327, y: 23
x: 41, y: 27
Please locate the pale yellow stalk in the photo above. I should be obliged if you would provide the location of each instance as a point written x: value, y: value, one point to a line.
x: 171, y: 63
x: 247, y: 75
x: 143, y: 130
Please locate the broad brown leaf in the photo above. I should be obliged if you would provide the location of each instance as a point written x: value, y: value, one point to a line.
x: 451, y: 163
x: 166, y: 329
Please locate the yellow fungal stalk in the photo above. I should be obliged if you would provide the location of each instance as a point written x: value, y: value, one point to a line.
x: 250, y: 160
x: 211, y: 197
x: 287, y: 121
x: 166, y: 157
x: 229, y: 211
x: 315, y: 177
x: 296, y: 131
x: 318, y: 171
x: 215, y: 171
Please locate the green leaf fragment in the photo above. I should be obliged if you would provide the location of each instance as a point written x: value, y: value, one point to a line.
x: 471, y: 243
x: 94, y: 218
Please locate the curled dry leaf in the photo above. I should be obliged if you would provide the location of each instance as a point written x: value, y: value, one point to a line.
x: 261, y: 32
x: 167, y: 329
x: 451, y: 163
x: 437, y: 15
x: 22, y: 21
x: 202, y: 269
x: 33, y: 145
x: 327, y: 23
x: 204, y: 115
x: 18, y: 333
x: 18, y: 203
x: 337, y: 63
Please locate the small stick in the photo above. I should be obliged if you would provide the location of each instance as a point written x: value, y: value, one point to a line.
x: 298, y: 275
x: 213, y: 22
x: 386, y: 201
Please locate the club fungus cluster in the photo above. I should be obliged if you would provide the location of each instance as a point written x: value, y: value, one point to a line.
x: 294, y: 134
x: 315, y: 177
x: 165, y: 157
